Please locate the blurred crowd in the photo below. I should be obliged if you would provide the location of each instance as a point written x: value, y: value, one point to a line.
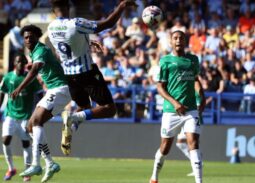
x: 220, y: 32
x: 12, y: 10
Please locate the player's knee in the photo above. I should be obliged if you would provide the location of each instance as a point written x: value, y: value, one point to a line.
x: 25, y: 143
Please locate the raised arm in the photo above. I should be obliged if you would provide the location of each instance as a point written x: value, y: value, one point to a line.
x: 29, y: 78
x: 111, y: 20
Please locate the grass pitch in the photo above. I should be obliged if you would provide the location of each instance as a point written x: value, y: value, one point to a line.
x: 138, y: 171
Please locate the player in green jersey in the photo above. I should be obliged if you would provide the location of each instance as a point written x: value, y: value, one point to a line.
x: 54, y: 101
x: 17, y: 113
x: 177, y: 84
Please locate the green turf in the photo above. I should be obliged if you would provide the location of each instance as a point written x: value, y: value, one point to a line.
x: 138, y: 171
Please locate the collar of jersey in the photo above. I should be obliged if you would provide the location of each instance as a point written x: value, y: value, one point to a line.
x: 176, y: 55
x: 37, y: 45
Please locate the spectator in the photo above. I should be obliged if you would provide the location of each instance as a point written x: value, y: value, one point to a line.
x: 214, y: 21
x: 119, y: 31
x: 238, y: 75
x: 230, y: 18
x: 15, y: 37
x: 212, y: 45
x: 127, y: 17
x: 247, y: 4
x: 178, y: 25
x: 249, y: 63
x: 21, y: 8
x: 247, y: 40
x: 215, y: 6
x: 213, y: 82
x: 246, y: 22
x: 150, y: 38
x: 231, y: 37
x: 222, y: 66
x: 239, y: 50
x: 97, y: 9
x: 153, y: 58
x: 118, y: 93
x: 222, y: 50
x: 134, y: 30
x: 197, y: 23
x: 197, y: 43
x: 163, y: 38
x: 127, y: 73
x: 108, y: 39
x: 16, y: 41
x: 109, y: 71
x: 246, y: 104
x: 138, y: 73
x: 230, y: 58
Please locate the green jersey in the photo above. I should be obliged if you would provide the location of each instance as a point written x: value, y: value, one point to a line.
x: 20, y: 108
x: 52, y: 73
x: 179, y: 74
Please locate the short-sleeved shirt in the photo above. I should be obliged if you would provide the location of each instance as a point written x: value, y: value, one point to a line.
x: 179, y: 74
x: 52, y: 73
x: 70, y: 38
x: 20, y: 108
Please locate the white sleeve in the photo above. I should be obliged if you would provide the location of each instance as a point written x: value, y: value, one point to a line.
x: 85, y: 26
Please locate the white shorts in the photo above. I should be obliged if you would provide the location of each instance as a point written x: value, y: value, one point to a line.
x: 172, y: 123
x: 13, y: 127
x: 55, y: 99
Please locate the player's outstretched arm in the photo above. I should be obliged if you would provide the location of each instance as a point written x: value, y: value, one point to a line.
x: 111, y: 20
x: 29, y: 78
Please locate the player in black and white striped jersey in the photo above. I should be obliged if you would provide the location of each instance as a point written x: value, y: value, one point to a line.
x: 70, y: 38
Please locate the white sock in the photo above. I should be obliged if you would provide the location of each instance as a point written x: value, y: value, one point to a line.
x: 184, y: 148
x: 38, y: 133
x: 158, y: 164
x: 45, y: 151
x: 8, y: 156
x: 79, y: 116
x: 27, y: 154
x: 196, y: 163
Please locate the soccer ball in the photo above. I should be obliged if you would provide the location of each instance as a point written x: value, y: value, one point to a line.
x: 151, y: 16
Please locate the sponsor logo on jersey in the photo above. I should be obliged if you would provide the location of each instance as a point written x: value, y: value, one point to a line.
x: 58, y: 28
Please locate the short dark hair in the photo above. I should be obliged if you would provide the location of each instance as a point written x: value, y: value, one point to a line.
x: 59, y: 3
x: 31, y: 28
x: 22, y: 55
